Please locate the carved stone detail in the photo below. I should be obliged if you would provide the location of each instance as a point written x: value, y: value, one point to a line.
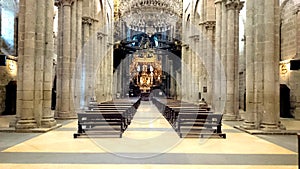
x: 87, y: 20
x: 210, y: 25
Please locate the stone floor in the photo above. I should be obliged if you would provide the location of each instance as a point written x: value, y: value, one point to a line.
x: 148, y: 143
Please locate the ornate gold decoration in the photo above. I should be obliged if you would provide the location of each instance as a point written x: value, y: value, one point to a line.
x: 146, y: 70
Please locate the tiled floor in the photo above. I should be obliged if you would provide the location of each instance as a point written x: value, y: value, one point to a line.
x: 148, y: 143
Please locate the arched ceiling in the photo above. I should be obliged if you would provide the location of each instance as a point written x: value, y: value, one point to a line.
x: 150, y: 16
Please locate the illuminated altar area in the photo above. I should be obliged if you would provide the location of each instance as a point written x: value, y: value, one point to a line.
x: 146, y: 70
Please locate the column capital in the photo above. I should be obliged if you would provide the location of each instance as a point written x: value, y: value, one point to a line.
x: 241, y: 5
x: 57, y: 3
x: 66, y: 2
x: 195, y: 37
x: 231, y: 4
x: 210, y: 25
x: 87, y: 20
x: 101, y: 35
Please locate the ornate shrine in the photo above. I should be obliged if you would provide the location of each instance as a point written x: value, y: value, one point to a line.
x: 146, y: 70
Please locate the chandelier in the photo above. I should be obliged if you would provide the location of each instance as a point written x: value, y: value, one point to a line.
x: 150, y: 16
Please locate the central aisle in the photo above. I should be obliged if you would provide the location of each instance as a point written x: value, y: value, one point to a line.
x: 148, y: 123
x: 149, y: 132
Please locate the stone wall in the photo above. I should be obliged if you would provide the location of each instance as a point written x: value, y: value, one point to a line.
x: 289, y: 44
x: 7, y: 74
x: 288, y: 30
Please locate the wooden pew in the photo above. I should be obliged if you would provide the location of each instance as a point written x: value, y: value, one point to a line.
x: 200, y: 124
x: 106, y: 119
x: 100, y: 124
x: 190, y: 116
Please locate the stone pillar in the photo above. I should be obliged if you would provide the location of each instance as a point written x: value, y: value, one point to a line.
x: 210, y: 29
x: 94, y: 61
x: 110, y: 69
x: 271, y: 99
x: 73, y: 54
x: 223, y: 83
x: 196, y: 67
x: 106, y: 70
x: 217, y: 57
x: 178, y: 86
x: 183, y: 88
x: 172, y: 79
x: 196, y: 62
x: 59, y: 54
x: 35, y: 65
x: 262, y: 52
x: 21, y: 35
x: 184, y: 60
x: 78, y: 61
x: 103, y: 68
x: 231, y: 105
x: 48, y: 115
x: 64, y: 101
x: 25, y: 88
x: 87, y: 70
x: 200, y: 61
x: 250, y: 121
x: 297, y: 21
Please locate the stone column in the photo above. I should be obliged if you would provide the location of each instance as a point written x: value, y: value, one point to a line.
x: 223, y: 54
x: 78, y: 61
x: 262, y: 52
x: 190, y: 74
x: 231, y: 105
x: 183, y: 88
x: 87, y: 70
x: 297, y: 21
x: 250, y: 121
x: 210, y: 28
x: 178, y: 85
x: 110, y: 69
x: 106, y: 70
x: 172, y: 79
x: 35, y: 65
x: 98, y: 68
x: 196, y: 67
x: 59, y: 54
x: 73, y: 54
x: 48, y: 115
x: 199, y: 57
x: 103, y: 67
x: 21, y: 35
x: 217, y: 57
x: 64, y: 67
x: 184, y: 60
x: 271, y: 109
x: 25, y: 88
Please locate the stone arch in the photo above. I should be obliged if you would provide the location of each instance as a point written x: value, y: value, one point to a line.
x: 195, y: 12
x: 283, y: 4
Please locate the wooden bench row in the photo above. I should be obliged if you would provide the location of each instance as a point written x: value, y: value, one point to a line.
x: 190, y: 120
x: 103, y: 120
